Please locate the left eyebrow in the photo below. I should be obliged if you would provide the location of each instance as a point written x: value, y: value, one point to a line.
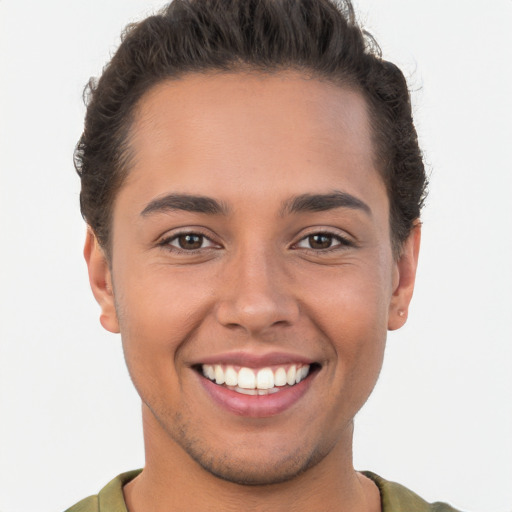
x: 324, y: 202
x: 185, y: 202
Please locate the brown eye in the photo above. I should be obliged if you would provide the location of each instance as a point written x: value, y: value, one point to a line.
x: 320, y: 241
x: 323, y: 242
x: 190, y: 241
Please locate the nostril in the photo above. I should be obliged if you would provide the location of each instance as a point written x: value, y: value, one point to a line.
x: 255, y: 314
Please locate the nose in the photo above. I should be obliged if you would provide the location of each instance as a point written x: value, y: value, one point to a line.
x: 256, y: 294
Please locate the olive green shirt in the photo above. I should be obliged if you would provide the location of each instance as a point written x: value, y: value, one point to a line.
x: 394, y: 497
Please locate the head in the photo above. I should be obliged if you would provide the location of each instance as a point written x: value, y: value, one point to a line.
x: 318, y: 39
x: 252, y: 181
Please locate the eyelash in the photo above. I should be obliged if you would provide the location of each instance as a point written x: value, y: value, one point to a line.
x: 342, y: 242
x: 167, y: 242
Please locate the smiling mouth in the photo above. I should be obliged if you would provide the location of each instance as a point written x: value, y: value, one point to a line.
x: 254, y: 381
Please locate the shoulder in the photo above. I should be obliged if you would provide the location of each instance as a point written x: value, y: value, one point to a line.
x: 109, y: 499
x: 89, y: 504
x: 397, y: 498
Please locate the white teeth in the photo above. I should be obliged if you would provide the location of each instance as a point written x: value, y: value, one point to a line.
x: 246, y: 379
x: 256, y: 391
x: 219, y: 374
x: 280, y: 377
x: 231, y: 376
x: 290, y: 375
x: 246, y: 391
x: 301, y: 374
x: 253, y: 382
x: 208, y: 371
x: 265, y: 379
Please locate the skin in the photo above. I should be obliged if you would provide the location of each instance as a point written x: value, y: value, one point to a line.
x: 257, y: 283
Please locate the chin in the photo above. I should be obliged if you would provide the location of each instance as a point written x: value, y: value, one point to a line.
x: 256, y: 462
x: 250, y: 472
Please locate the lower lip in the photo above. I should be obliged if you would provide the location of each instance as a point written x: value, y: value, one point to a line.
x: 256, y: 406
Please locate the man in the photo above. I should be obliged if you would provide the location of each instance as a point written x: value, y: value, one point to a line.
x: 252, y: 183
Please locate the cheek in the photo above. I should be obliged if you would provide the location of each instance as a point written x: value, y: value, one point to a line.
x: 160, y: 310
x: 156, y: 315
x: 350, y: 307
x: 351, y: 298
x: 356, y: 324
x: 159, y: 302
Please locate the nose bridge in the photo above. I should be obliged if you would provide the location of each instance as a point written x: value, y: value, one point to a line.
x: 256, y: 293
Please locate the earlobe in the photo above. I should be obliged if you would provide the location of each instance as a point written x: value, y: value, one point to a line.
x: 100, y: 280
x: 405, y: 279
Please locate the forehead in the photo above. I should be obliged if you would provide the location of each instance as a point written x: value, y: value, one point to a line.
x: 210, y: 131
x: 228, y: 91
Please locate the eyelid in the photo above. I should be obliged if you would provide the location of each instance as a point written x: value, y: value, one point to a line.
x: 166, y: 239
x: 209, y: 243
x: 342, y: 239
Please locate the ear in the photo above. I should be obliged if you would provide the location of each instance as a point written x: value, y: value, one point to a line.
x: 100, y: 279
x: 403, y: 285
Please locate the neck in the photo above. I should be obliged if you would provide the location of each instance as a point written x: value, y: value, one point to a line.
x: 172, y: 480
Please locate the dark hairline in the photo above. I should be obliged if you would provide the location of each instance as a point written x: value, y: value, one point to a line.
x: 320, y: 39
x: 127, y: 154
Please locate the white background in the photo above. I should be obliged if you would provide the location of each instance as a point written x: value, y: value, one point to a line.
x: 440, y: 420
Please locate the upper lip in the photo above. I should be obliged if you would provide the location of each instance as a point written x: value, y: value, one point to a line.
x: 251, y: 360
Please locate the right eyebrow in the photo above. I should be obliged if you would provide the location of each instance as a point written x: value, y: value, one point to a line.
x: 324, y: 202
x: 185, y: 202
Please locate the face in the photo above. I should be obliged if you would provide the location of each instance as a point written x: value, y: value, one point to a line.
x: 252, y: 276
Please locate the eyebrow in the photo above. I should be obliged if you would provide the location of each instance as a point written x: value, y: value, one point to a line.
x: 185, y: 202
x: 297, y: 204
x: 324, y: 202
